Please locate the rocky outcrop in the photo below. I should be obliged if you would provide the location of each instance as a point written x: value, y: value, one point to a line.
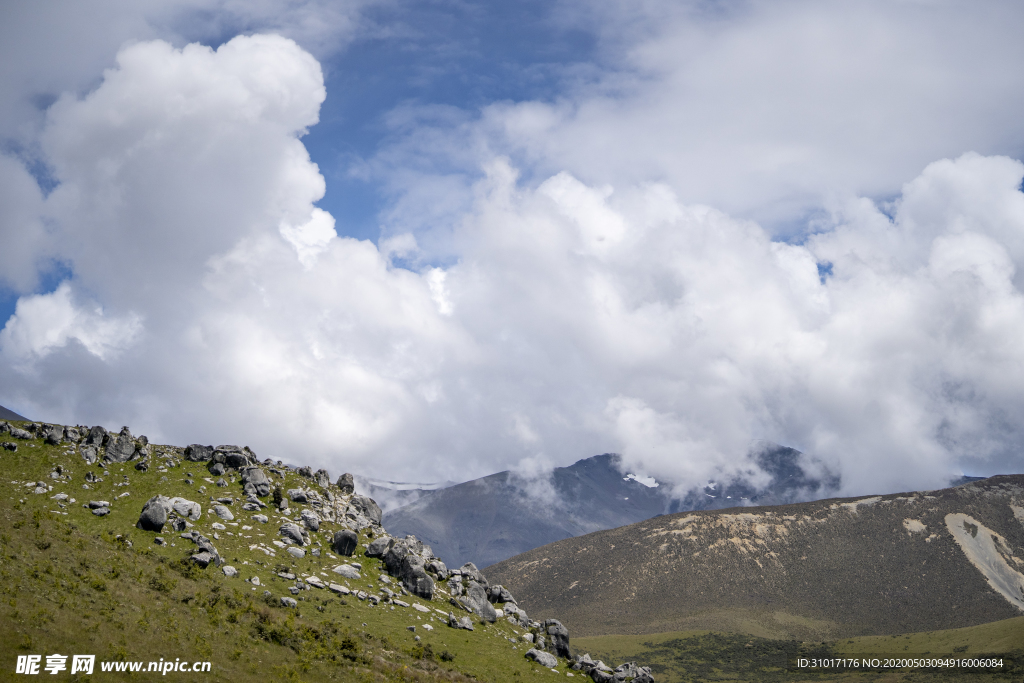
x: 255, y: 482
x: 198, y: 453
x: 346, y: 484
x: 121, y: 449
x: 406, y: 560
x: 345, y: 542
x: 154, y: 514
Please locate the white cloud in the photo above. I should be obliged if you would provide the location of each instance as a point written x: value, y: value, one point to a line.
x: 43, y: 324
x: 573, y: 317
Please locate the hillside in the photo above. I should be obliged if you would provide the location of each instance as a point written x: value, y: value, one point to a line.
x: 490, y: 519
x: 137, y: 552
x: 833, y: 568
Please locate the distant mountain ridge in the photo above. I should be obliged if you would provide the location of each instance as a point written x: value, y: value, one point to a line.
x: 873, y: 565
x: 493, y: 518
x: 6, y: 414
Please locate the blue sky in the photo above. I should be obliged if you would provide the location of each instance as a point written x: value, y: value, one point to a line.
x: 578, y: 229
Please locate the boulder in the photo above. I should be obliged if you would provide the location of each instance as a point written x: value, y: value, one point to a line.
x: 545, y: 659
x: 20, y: 433
x: 121, y: 449
x: 72, y: 434
x: 203, y: 558
x: 96, y: 437
x: 322, y: 478
x: 198, y: 453
x: 258, y: 479
x: 9, y: 446
x: 311, y: 520
x: 216, y: 468
x: 348, y: 571
x: 463, y: 623
x: 89, y: 453
x: 379, y: 546
x: 229, y: 571
x: 236, y: 460
x: 186, y: 508
x: 297, y: 496
x: 154, y: 514
x: 345, y: 542
x: 294, y: 533
x: 438, y: 567
x: 289, y: 602
x: 406, y: 560
x: 499, y: 593
x: 347, y: 483
x: 367, y: 507
x: 559, y: 637
x: 476, y: 601
x: 52, y: 434
x: 223, y: 512
x: 305, y: 472
x: 297, y: 553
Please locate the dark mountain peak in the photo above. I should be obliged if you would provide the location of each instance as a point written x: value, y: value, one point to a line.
x: 6, y: 414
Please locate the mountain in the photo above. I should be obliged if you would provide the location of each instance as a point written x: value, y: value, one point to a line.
x: 493, y: 518
x: 826, y: 569
x: 135, y: 552
x: 6, y: 414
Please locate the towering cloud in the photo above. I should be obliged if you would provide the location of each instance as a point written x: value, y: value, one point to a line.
x: 532, y: 322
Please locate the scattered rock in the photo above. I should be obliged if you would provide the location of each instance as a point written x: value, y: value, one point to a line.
x: 545, y: 659
x: 347, y: 483
x: 297, y: 496
x: 203, y: 558
x: 294, y: 533
x: 297, y: 553
x: 338, y: 588
x: 262, y: 519
x: 289, y: 602
x: 121, y: 449
x: 223, y: 512
x: 217, y: 468
x: 9, y: 446
x: 154, y: 514
x: 159, y: 540
x: 20, y: 433
x: 186, y: 508
x: 345, y: 542
x: 367, y: 507
x: 463, y: 623
x: 315, y: 582
x: 348, y: 571
x: 229, y: 571
x: 258, y: 480
x: 311, y: 520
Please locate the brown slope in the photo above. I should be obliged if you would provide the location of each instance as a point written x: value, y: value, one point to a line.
x: 831, y: 568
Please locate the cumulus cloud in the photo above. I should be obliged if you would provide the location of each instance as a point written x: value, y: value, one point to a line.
x: 574, y: 317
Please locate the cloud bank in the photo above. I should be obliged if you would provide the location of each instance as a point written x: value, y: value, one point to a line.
x: 209, y: 298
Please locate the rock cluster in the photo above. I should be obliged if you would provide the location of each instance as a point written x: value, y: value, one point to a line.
x: 600, y: 672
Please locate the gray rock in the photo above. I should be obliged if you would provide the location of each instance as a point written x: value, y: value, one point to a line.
x: 236, y: 460
x: 159, y: 540
x: 347, y: 483
x: 311, y: 520
x: 94, y: 504
x: 216, y: 468
x: 464, y: 623
x: 470, y: 571
x: 438, y: 567
x: 97, y: 436
x: 20, y: 433
x: 289, y: 602
x: 297, y: 496
x: 221, y: 483
x: 305, y: 472
x: 322, y: 478
x: 72, y: 434
x: 121, y: 449
x: 476, y: 601
x: 367, y: 507
x: 294, y: 533
x: 223, y: 512
x: 9, y: 446
x: 601, y: 676
x: 198, y: 453
x: 154, y: 514
x: 296, y: 552
x: 179, y: 524
x: 203, y: 558
x: 345, y: 542
x: 4, y: 426
x: 499, y: 593
x: 406, y: 560
x: 559, y: 636
x: 100, y: 512
x: 258, y: 479
x: 262, y: 519
x: 348, y: 571
x: 229, y: 571
x: 545, y: 659
x: 379, y: 546
x: 251, y: 507
x: 52, y: 434
x: 186, y: 508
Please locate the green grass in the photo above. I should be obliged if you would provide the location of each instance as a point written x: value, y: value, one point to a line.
x: 70, y: 585
x: 686, y: 656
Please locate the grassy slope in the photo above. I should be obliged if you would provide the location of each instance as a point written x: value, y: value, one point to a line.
x: 69, y: 586
x: 685, y: 656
